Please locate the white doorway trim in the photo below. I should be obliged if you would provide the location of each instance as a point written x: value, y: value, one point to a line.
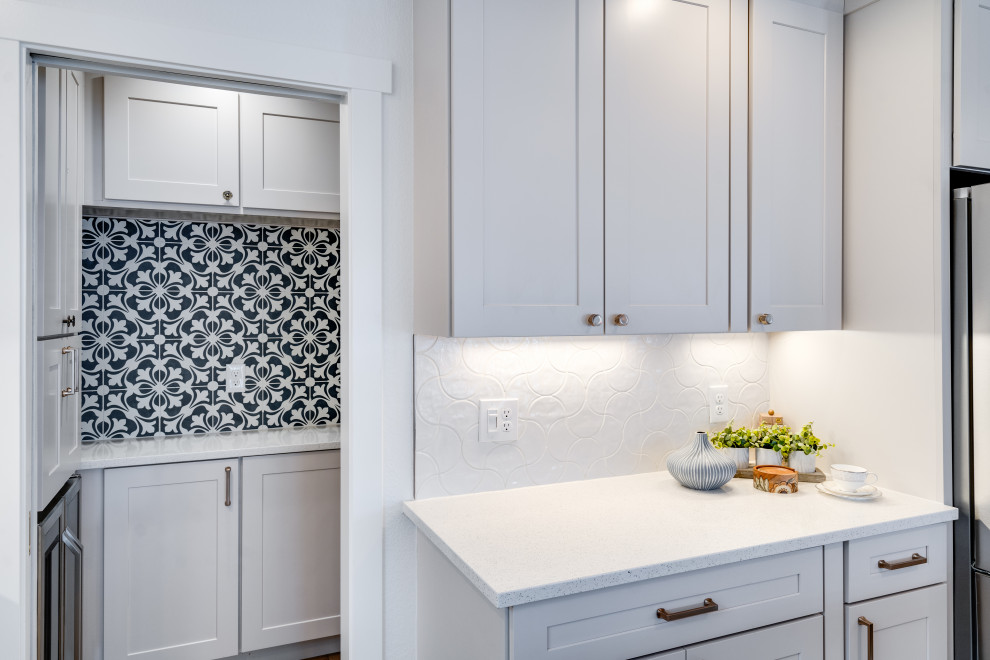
x: 31, y: 27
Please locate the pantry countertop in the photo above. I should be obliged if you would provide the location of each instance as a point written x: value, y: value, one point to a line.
x: 180, y: 448
x: 528, y: 544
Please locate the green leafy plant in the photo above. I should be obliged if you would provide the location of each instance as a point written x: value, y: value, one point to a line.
x: 776, y: 437
x: 730, y: 438
x: 807, y: 442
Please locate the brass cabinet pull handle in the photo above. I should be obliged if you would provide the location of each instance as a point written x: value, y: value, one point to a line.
x: 227, y: 501
x: 708, y: 606
x: 863, y: 621
x: 915, y: 560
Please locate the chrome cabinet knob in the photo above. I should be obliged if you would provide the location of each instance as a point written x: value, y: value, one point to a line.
x: 594, y: 320
x: 766, y: 319
x: 227, y: 195
x: 621, y: 319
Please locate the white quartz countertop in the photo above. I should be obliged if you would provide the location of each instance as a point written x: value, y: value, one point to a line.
x: 179, y: 448
x: 528, y: 544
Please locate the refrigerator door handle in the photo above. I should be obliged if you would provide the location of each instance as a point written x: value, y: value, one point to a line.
x: 979, y: 571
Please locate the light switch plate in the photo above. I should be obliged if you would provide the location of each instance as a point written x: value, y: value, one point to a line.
x: 497, y: 420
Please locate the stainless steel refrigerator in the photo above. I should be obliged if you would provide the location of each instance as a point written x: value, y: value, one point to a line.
x: 970, y: 281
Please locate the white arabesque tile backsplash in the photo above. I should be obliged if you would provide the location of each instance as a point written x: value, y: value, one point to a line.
x: 588, y: 407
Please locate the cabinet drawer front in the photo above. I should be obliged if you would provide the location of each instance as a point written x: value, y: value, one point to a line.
x: 865, y: 578
x: 621, y: 622
x: 796, y: 640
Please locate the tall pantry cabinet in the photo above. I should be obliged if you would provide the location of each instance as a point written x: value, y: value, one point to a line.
x: 58, y: 286
x: 582, y: 168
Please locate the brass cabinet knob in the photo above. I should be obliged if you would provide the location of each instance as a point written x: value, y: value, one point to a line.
x: 594, y: 320
x: 69, y: 321
x: 621, y: 319
x: 766, y: 319
x: 227, y: 195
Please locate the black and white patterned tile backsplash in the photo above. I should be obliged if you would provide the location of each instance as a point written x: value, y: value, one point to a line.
x: 168, y: 305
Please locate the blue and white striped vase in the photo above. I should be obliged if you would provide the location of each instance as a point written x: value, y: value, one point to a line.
x: 700, y: 466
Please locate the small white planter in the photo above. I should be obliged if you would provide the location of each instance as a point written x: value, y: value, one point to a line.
x: 739, y: 456
x: 803, y: 463
x: 768, y: 457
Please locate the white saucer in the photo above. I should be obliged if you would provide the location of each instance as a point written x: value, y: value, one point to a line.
x: 868, y: 492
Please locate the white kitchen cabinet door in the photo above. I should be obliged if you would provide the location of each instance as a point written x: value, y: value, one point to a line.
x: 526, y: 167
x: 59, y: 264
x: 169, y: 143
x: 290, y: 549
x: 797, y: 640
x: 290, y: 154
x: 907, y: 626
x: 57, y: 414
x: 666, y: 166
x: 971, y: 72
x: 171, y: 558
x: 796, y: 166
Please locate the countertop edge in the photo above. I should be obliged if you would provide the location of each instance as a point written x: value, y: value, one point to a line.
x: 207, y: 455
x: 589, y: 583
x: 489, y: 593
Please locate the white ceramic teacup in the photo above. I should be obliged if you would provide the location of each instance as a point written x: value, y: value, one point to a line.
x: 849, y: 478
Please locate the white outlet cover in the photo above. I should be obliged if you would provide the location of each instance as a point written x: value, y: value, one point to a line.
x: 236, y: 375
x: 718, y: 403
x: 497, y: 420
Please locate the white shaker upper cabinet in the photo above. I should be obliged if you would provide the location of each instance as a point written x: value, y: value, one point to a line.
x: 171, y: 557
x: 170, y: 143
x: 290, y: 154
x: 290, y: 549
x: 796, y: 166
x: 971, y: 105
x: 667, y: 166
x: 60, y: 214
x: 525, y: 167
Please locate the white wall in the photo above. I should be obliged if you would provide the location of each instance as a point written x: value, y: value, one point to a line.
x: 875, y: 388
x: 374, y: 28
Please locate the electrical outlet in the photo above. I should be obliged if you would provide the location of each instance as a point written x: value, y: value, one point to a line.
x: 235, y: 377
x: 718, y: 403
x: 497, y: 420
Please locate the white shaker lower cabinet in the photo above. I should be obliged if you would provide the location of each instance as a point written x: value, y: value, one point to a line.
x: 787, y: 606
x: 290, y: 539
x: 796, y: 166
x: 170, y: 558
x: 906, y: 626
x: 177, y: 538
